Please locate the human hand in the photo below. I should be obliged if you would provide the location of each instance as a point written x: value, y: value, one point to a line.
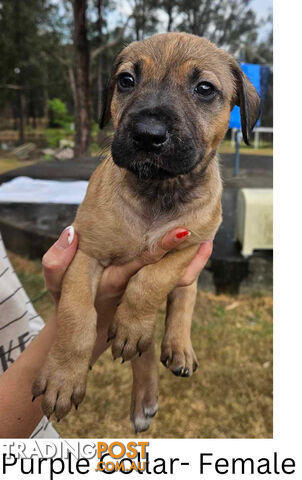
x: 57, y: 259
x: 115, y: 277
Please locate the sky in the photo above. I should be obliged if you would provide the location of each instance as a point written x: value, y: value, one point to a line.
x: 262, y: 8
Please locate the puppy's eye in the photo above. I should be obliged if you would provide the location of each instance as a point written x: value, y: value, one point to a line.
x: 125, y: 81
x: 205, y: 90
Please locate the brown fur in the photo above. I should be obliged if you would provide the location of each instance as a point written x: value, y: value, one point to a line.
x: 122, y: 216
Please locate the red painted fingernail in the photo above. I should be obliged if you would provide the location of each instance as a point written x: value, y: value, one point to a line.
x: 70, y: 234
x: 184, y: 233
x: 66, y: 237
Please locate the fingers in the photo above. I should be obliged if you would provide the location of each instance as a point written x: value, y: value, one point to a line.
x: 197, y: 264
x: 57, y: 259
x: 171, y: 240
x: 168, y: 242
x: 115, y: 278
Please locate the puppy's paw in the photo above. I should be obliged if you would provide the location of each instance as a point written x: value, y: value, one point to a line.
x: 62, y: 385
x: 144, y: 406
x: 130, y: 335
x: 179, y: 358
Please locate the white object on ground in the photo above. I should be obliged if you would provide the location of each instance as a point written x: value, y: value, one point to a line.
x: 66, y: 143
x: 64, y: 153
x: 29, y: 190
x: 254, y: 226
x: 48, y: 151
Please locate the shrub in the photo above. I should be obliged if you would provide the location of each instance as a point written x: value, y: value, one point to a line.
x: 58, y: 115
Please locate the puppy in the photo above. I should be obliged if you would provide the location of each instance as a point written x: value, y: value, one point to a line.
x: 170, y: 99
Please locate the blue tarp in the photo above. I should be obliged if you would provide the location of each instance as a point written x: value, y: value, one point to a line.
x: 254, y: 73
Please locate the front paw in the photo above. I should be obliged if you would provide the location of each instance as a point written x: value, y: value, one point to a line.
x: 62, y: 385
x: 179, y: 357
x: 130, y: 333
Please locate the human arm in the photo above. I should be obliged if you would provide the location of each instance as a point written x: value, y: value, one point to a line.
x: 19, y: 415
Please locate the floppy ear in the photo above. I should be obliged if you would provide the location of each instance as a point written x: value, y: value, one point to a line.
x: 248, y: 100
x: 108, y: 93
x: 106, y: 103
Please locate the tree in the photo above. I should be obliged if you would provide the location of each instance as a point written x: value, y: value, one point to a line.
x: 144, y: 15
x: 225, y: 22
x: 170, y: 8
x: 83, y: 54
x: 100, y: 86
x: 101, y: 44
x: 82, y: 88
x: 64, y: 49
x: 27, y: 74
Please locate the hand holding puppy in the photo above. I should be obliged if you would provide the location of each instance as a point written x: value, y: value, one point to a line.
x: 115, y: 278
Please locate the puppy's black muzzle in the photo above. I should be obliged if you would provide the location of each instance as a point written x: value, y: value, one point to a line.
x: 154, y: 142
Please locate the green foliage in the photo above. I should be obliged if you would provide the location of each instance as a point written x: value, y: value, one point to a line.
x: 48, y: 157
x: 30, y: 38
x: 54, y: 135
x: 58, y: 116
x: 58, y: 108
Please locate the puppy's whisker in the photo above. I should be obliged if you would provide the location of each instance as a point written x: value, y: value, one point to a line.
x: 177, y: 137
x: 105, y: 144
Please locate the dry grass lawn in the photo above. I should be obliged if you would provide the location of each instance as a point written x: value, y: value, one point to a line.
x: 265, y: 148
x: 10, y: 163
x: 229, y: 396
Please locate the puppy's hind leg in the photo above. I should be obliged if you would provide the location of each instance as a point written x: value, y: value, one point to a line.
x: 144, y: 400
x: 176, y: 351
x: 62, y: 379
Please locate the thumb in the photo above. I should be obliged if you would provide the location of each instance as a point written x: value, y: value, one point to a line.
x: 57, y: 259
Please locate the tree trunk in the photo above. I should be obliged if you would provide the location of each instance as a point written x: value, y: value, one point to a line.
x: 15, y: 116
x: 20, y: 93
x: 45, y: 107
x: 137, y: 32
x: 170, y: 19
x: 82, y: 104
x: 21, y: 101
x: 194, y: 26
x: 100, y: 59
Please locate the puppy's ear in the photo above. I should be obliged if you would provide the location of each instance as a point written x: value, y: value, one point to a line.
x: 108, y: 94
x: 247, y: 98
x: 106, y: 103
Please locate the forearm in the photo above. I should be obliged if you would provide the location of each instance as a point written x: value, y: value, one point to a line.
x: 18, y: 414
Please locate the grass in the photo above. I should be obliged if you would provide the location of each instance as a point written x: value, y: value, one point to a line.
x: 266, y: 148
x: 229, y: 396
x: 9, y: 163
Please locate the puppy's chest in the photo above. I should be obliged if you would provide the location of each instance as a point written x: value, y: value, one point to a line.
x: 127, y: 236
x: 116, y: 231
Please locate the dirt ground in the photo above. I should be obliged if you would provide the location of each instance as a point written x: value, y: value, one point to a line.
x: 229, y: 396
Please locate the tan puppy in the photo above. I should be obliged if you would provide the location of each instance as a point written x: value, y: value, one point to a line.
x: 170, y: 98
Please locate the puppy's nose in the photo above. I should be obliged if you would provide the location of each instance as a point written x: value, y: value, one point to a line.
x: 150, y: 132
